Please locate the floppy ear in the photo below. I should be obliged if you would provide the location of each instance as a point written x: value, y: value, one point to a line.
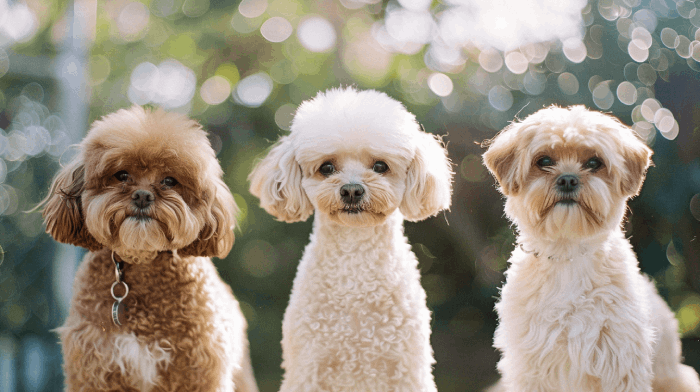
x: 501, y: 160
x: 216, y: 237
x: 637, y: 158
x: 276, y: 181
x: 428, y: 181
x: 63, y: 211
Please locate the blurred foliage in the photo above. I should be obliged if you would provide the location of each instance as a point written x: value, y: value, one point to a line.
x: 241, y: 70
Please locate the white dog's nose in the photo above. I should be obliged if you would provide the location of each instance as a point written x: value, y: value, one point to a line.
x: 351, y: 193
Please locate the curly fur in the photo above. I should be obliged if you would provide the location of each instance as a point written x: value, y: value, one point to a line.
x: 575, y: 313
x: 357, y: 318
x: 182, y: 328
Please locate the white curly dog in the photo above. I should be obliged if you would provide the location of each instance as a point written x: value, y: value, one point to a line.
x: 576, y: 315
x: 357, y: 319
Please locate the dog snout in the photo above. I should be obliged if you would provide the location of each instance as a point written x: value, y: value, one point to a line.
x: 142, y: 198
x: 567, y: 183
x: 351, y: 193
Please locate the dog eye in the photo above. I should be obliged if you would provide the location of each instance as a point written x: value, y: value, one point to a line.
x: 122, y: 176
x: 327, y: 168
x: 545, y: 161
x: 169, y: 182
x: 380, y: 167
x: 593, y: 164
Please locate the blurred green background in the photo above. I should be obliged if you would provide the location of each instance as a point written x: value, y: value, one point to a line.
x: 464, y: 67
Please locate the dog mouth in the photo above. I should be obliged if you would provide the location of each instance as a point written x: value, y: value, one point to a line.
x: 352, y: 209
x: 140, y: 216
x: 567, y: 202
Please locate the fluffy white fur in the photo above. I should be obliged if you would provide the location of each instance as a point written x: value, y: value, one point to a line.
x: 575, y: 313
x: 357, y: 318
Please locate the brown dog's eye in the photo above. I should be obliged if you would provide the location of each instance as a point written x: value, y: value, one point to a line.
x: 593, y: 164
x: 380, y: 167
x: 545, y: 161
x: 169, y: 182
x: 122, y: 176
x: 327, y: 168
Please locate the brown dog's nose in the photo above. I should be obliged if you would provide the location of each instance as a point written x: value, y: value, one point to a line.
x: 351, y: 193
x: 142, y: 198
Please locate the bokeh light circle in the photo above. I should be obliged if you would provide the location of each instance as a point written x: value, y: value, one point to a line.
x: 637, y: 53
x: 575, y: 50
x: 603, y: 98
x: 284, y: 116
x: 490, y: 60
x: 646, y: 74
x: 144, y: 76
x: 253, y: 90
x: 252, y: 8
x: 3, y: 170
x: 534, y: 83
x: 516, y: 62
x: 4, y: 62
x: 276, y: 29
x: 649, y: 108
x: 500, y: 98
x: 316, y: 34
x: 133, y: 21
x: 644, y: 129
x: 641, y: 37
x: 627, y: 93
x: 695, y: 206
x: 440, y: 84
x: 683, y: 46
x: 670, y: 128
x: 215, y: 90
x: 568, y: 83
x: 668, y: 37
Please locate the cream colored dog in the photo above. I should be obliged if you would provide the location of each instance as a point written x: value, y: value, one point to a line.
x: 357, y: 318
x: 575, y: 313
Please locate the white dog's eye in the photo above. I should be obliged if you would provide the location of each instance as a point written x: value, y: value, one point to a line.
x: 327, y: 169
x: 169, y: 182
x: 593, y: 164
x: 121, y: 175
x: 380, y: 167
x: 545, y: 161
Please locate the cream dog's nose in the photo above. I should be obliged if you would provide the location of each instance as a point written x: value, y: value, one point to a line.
x: 567, y: 182
x: 351, y: 193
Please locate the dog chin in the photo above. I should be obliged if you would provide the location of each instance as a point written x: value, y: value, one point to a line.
x: 357, y: 218
x: 142, y: 234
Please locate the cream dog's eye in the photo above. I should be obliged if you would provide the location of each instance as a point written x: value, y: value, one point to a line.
x: 327, y: 168
x: 121, y: 175
x: 380, y: 167
x: 545, y: 161
x: 593, y: 164
x: 169, y: 182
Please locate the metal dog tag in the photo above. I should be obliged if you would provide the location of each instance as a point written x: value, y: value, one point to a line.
x: 118, y: 309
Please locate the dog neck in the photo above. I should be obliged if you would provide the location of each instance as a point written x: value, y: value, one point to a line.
x: 133, y: 256
x: 563, y: 249
x: 349, y: 238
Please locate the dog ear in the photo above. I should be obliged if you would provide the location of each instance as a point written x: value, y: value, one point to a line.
x: 216, y: 237
x: 63, y: 212
x: 501, y: 160
x: 637, y: 158
x: 276, y: 181
x: 429, y: 180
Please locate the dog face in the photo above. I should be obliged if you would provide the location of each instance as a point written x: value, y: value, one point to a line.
x: 143, y: 182
x: 567, y: 172
x: 355, y: 156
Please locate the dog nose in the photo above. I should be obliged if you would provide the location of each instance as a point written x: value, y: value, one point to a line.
x: 567, y: 183
x: 351, y: 193
x: 142, y: 198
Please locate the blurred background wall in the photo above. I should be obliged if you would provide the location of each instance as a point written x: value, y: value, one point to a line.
x: 464, y: 67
